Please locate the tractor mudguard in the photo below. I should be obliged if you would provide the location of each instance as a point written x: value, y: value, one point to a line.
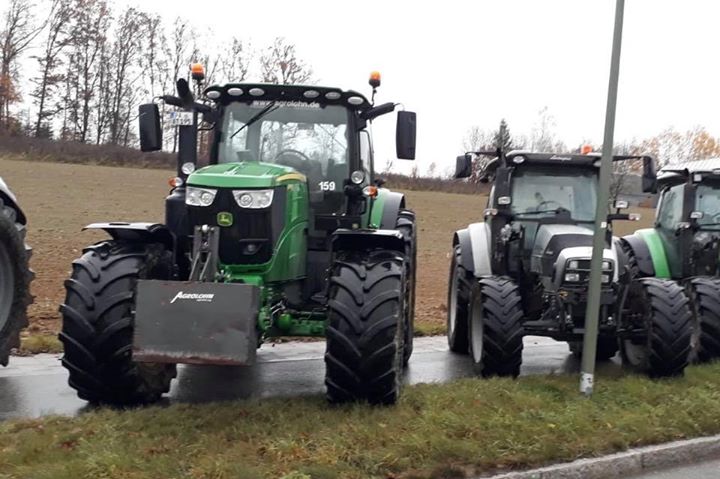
x: 196, y: 322
x: 10, y: 200
x: 480, y: 242
x: 640, y: 250
x: 140, y: 232
x: 385, y: 209
x: 355, y: 240
x: 462, y: 238
x: 650, y: 238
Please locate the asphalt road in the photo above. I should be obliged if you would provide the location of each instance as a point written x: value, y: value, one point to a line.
x: 37, y: 386
x: 704, y: 470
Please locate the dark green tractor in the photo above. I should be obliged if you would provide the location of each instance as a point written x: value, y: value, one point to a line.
x: 684, y: 244
x: 287, y: 232
x: 15, y: 273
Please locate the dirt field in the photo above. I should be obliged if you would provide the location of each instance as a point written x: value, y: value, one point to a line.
x: 60, y: 199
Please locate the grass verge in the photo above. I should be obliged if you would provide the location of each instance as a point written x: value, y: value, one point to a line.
x: 452, y: 430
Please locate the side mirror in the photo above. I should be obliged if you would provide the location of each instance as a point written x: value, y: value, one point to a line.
x: 150, y: 131
x: 649, y: 176
x: 405, y: 135
x: 463, y: 166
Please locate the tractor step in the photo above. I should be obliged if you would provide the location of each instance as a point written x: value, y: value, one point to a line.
x: 195, y: 323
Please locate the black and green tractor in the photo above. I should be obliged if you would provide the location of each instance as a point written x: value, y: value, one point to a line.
x: 684, y: 245
x: 525, y: 270
x: 287, y: 232
x: 15, y: 273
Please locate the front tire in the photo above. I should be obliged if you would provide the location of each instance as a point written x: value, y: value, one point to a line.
x: 15, y: 278
x: 97, y: 328
x: 495, y: 327
x: 663, y: 350
x: 704, y: 295
x: 457, y: 306
x: 365, y: 334
x: 406, y: 225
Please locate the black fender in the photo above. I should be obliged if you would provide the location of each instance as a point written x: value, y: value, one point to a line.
x: 137, y: 232
x: 10, y: 200
x: 462, y: 238
x: 362, y: 239
x: 394, y: 202
x: 642, y: 254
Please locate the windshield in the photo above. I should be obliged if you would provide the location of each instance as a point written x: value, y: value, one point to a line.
x: 538, y: 192
x: 308, y: 137
x: 707, y: 200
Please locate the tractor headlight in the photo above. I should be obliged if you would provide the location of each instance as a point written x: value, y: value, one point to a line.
x: 572, y: 277
x: 199, y: 196
x: 253, y: 199
x: 605, y: 279
x: 357, y: 177
x: 607, y: 266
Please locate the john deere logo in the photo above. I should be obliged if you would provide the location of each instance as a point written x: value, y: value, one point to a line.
x: 225, y: 219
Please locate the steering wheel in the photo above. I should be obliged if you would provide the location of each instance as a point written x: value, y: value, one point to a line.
x: 547, y: 202
x: 300, y: 160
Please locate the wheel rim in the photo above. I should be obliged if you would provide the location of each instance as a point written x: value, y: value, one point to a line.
x: 476, y: 331
x: 454, y: 289
x: 634, y: 353
x: 7, y: 286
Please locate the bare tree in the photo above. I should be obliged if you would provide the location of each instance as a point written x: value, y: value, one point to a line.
x: 543, y: 134
x: 477, y: 139
x: 17, y: 33
x: 235, y: 63
x: 279, y: 63
x: 49, y: 61
x: 89, y: 37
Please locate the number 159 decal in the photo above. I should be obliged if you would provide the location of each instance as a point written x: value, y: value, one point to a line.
x: 327, y: 185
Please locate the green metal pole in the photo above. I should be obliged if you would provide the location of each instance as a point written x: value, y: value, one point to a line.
x: 592, y: 313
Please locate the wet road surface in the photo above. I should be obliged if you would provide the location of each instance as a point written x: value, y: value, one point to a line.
x: 37, y: 386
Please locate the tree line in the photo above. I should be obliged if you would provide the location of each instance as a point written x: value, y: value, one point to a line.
x: 85, y: 66
x: 668, y: 146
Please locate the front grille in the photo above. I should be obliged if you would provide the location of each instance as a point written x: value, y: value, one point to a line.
x: 253, y: 234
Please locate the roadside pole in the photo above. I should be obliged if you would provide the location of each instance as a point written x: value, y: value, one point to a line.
x: 587, y: 371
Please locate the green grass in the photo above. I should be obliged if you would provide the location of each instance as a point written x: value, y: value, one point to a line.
x: 451, y: 430
x: 40, y: 343
x: 430, y: 328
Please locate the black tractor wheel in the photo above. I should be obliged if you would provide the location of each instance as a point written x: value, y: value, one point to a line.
x: 607, y: 348
x: 704, y: 293
x: 15, y: 277
x: 406, y: 225
x: 457, y: 305
x: 365, y: 333
x: 662, y: 346
x: 495, y: 327
x: 97, y: 328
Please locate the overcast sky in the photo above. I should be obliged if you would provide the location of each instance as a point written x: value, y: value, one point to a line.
x: 467, y: 63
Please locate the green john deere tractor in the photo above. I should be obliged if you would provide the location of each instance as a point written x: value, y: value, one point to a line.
x: 684, y: 245
x: 15, y: 273
x: 287, y: 232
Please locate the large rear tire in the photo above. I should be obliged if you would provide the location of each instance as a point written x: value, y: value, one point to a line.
x: 15, y: 278
x: 97, y: 329
x: 406, y: 225
x: 365, y: 334
x: 495, y: 327
x: 457, y: 305
x: 704, y: 295
x: 664, y: 348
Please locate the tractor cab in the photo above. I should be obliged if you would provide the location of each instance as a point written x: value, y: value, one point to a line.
x: 688, y: 217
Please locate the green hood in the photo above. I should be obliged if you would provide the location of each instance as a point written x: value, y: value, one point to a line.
x: 248, y: 174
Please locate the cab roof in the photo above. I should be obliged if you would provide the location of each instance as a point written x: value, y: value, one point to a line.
x: 681, y: 171
x: 247, y: 92
x: 520, y: 157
